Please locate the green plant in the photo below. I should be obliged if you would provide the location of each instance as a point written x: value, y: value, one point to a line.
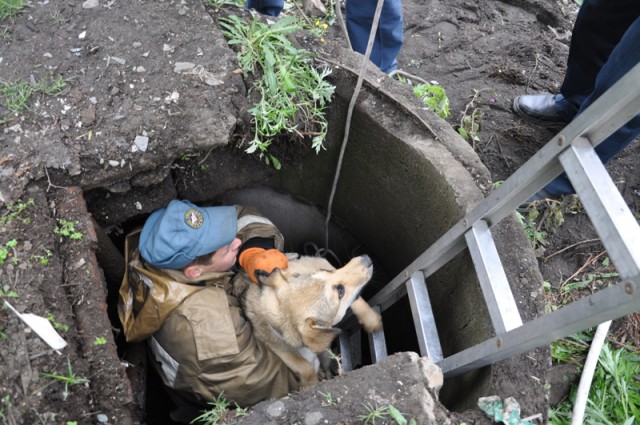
x: 471, y: 120
x: 9, y: 9
x: 219, y: 413
x: 67, y: 229
x: 217, y: 4
x: 434, y: 98
x: 328, y: 399
x: 3, y: 336
x: 43, y: 260
x: 17, y: 94
x: 7, y: 292
x: 532, y: 230
x: 614, y: 397
x: 293, y: 94
x: 15, y: 210
x: 68, y: 380
x: 59, y: 326
x: 573, y: 348
x: 99, y: 341
x: 373, y: 413
x: 5, y: 250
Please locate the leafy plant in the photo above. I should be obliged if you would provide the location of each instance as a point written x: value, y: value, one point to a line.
x: 471, y: 120
x: 58, y: 326
x: 293, y: 94
x: 373, y: 413
x: 9, y: 9
x: 43, y: 259
x: 532, y: 230
x: 4, y: 250
x: 3, y: 336
x: 99, y: 341
x: 434, y: 98
x: 15, y: 210
x: 67, y: 229
x: 7, y: 292
x: 573, y: 348
x: 68, y: 380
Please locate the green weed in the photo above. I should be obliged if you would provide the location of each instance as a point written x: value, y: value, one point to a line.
x: 3, y: 336
x: 67, y: 229
x: 293, y: 94
x: 217, y: 4
x: 43, y: 260
x: 614, y: 397
x: 68, y: 380
x: 17, y: 94
x: 58, y: 326
x: 471, y: 120
x: 434, y: 98
x: 99, y: 341
x: 7, y: 292
x: 219, y: 413
x: 14, y: 212
x: 7, y: 250
x: 328, y: 399
x: 573, y: 348
x: 373, y: 413
x: 9, y: 9
x: 536, y: 236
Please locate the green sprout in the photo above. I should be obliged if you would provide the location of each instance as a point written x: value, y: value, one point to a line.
x: 67, y: 229
x: 69, y: 379
x: 99, y: 341
x: 58, y: 326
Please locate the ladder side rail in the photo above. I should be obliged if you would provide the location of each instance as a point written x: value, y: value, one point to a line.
x: 608, y: 304
x: 614, y: 222
x: 345, y: 352
x: 609, y: 112
x: 377, y: 344
x: 501, y: 304
x: 423, y: 318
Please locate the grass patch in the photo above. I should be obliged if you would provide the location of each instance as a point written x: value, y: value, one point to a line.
x: 17, y: 94
x: 9, y: 9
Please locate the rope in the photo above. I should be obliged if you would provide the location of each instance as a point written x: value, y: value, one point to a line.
x: 363, y: 68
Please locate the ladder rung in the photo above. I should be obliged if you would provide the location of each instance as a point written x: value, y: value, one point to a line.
x: 493, y: 280
x: 612, y: 219
x: 423, y: 319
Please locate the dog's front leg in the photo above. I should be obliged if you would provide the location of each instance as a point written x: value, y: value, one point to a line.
x: 298, y: 364
x: 367, y: 317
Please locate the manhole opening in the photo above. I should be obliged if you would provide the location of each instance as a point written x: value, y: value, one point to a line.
x: 303, y: 227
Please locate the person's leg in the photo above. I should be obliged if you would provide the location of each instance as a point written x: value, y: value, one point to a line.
x: 624, y: 57
x: 599, y: 27
x: 265, y: 7
x: 388, y: 39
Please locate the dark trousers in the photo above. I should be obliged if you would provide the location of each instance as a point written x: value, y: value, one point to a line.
x: 605, y: 45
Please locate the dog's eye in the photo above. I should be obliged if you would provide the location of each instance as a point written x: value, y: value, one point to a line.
x: 340, y: 289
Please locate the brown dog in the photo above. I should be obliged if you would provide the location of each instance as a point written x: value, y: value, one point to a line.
x: 296, y: 308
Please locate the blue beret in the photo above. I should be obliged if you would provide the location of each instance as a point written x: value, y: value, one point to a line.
x: 174, y: 236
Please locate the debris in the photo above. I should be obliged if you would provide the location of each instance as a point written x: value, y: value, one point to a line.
x: 507, y: 413
x: 173, y: 97
x: 90, y: 4
x: 42, y: 327
x: 141, y: 143
x: 183, y: 66
x: 82, y: 35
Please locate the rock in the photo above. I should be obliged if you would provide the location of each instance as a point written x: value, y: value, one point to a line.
x: 183, y: 66
x: 90, y: 4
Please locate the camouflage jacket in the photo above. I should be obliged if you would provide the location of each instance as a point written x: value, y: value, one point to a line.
x: 196, y: 330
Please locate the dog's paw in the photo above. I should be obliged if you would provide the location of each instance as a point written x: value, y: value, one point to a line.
x: 371, y: 322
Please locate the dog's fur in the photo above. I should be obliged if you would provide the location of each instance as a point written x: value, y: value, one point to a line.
x: 296, y: 308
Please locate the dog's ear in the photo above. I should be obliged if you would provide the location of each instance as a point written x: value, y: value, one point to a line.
x: 275, y: 279
x: 318, y: 336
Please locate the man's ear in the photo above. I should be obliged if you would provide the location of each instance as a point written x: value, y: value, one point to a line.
x: 192, y: 271
x: 318, y: 336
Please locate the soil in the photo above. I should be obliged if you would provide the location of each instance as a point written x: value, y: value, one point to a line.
x: 113, y: 56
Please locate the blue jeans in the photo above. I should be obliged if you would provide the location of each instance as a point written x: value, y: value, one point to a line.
x: 605, y: 45
x: 359, y: 19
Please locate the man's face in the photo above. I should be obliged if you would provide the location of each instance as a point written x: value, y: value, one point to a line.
x: 223, y: 258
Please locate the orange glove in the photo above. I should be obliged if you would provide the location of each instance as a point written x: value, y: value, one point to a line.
x: 267, y: 260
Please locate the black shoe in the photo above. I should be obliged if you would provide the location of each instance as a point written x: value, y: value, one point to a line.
x: 538, y: 108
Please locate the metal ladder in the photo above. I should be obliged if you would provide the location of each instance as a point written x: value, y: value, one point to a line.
x: 571, y: 151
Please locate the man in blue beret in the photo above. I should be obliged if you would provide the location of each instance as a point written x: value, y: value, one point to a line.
x: 176, y: 295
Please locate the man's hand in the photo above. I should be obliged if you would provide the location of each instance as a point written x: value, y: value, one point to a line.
x: 253, y: 259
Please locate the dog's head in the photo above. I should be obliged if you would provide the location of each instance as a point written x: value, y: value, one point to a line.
x: 313, y: 295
